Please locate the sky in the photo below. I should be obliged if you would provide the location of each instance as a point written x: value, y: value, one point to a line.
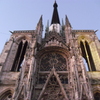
x: 25, y: 14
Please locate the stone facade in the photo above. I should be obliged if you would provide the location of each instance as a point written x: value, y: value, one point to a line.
x: 53, y: 67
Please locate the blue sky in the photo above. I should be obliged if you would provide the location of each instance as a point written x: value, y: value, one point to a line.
x: 24, y: 15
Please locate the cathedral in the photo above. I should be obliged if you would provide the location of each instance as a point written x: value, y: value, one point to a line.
x: 62, y: 65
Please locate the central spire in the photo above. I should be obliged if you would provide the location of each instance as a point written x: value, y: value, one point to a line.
x: 55, y: 16
x: 55, y: 23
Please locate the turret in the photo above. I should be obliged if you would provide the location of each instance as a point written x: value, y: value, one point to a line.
x: 68, y: 29
x: 39, y: 30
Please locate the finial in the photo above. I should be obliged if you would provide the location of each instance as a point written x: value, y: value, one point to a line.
x: 67, y: 21
x: 95, y: 31
x: 10, y: 31
x: 40, y: 20
x: 40, y: 24
x: 55, y: 4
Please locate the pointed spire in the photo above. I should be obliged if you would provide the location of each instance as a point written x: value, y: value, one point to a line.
x: 39, y: 24
x: 40, y: 21
x: 55, y: 16
x: 63, y: 26
x: 47, y: 27
x: 62, y: 22
x: 39, y: 30
x: 67, y: 22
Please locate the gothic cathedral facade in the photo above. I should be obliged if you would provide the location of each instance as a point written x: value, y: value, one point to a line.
x: 53, y: 67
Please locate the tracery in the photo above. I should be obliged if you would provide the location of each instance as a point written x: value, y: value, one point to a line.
x: 51, y: 60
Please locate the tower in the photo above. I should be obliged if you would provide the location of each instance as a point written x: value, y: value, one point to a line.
x: 51, y: 68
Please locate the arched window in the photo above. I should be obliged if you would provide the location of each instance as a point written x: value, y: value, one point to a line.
x: 6, y: 96
x: 85, y: 59
x: 86, y: 53
x: 97, y: 96
x: 19, y: 56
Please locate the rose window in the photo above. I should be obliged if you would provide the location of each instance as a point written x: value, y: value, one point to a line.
x: 53, y: 60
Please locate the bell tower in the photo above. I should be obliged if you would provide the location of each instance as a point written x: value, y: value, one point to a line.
x: 53, y: 67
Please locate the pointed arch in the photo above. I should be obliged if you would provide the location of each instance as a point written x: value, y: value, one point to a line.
x: 52, y: 64
x: 53, y: 89
x: 7, y: 95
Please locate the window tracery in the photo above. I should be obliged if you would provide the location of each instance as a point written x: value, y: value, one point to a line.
x: 53, y: 92
x: 42, y: 78
x: 51, y: 60
x: 64, y: 79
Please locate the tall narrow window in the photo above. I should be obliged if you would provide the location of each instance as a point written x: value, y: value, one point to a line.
x: 84, y: 55
x: 22, y: 56
x: 90, y: 56
x: 19, y: 56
